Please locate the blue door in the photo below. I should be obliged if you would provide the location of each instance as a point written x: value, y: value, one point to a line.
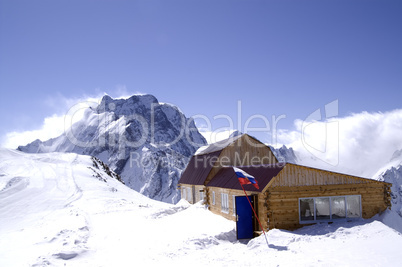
x: 244, y: 218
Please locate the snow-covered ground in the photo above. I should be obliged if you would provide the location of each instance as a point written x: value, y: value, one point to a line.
x: 60, y: 210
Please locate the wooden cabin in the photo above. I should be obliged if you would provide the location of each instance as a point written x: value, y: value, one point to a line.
x: 289, y: 195
x: 208, y: 160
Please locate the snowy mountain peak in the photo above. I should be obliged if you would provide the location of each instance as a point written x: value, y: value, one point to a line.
x: 146, y: 142
x: 394, y: 176
x: 235, y: 133
x: 285, y: 154
x: 132, y: 105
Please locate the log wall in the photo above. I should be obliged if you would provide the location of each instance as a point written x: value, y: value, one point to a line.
x: 296, y: 175
x: 282, y: 203
x: 278, y: 204
x: 195, y: 192
x: 217, y: 208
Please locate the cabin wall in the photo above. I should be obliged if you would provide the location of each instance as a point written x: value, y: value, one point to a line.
x: 294, y: 182
x: 245, y: 151
x: 200, y: 193
x: 217, y: 207
x: 263, y: 211
x: 278, y: 205
x: 283, y: 202
x: 192, y: 193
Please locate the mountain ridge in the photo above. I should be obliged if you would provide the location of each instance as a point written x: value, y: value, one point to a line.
x: 146, y: 142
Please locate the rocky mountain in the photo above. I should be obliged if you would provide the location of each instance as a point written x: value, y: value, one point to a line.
x: 285, y: 154
x: 394, y: 176
x: 146, y: 142
x: 392, y: 173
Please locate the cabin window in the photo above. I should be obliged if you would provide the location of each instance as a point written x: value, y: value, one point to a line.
x: 234, y: 205
x: 201, y: 195
x: 225, y: 203
x: 338, y: 210
x: 322, y: 208
x: 353, y: 206
x: 184, y: 193
x: 189, y: 195
x: 306, y: 209
x: 213, y: 197
x: 316, y: 209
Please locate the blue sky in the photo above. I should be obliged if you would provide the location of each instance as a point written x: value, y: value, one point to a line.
x: 276, y: 57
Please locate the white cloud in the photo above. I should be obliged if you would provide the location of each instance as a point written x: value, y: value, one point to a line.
x: 358, y: 144
x: 67, y: 111
x: 52, y: 126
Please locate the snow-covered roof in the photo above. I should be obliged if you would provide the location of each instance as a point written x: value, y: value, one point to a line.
x: 216, y: 146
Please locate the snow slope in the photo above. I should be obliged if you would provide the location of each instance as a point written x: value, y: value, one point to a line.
x: 63, y: 210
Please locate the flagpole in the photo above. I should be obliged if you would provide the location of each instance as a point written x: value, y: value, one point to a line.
x: 255, y: 215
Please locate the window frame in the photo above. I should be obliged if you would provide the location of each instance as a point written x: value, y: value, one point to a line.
x: 315, y: 220
x: 225, y: 203
x: 234, y: 205
x: 213, y: 198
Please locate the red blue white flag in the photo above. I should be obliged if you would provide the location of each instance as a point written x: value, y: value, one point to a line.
x: 245, y: 178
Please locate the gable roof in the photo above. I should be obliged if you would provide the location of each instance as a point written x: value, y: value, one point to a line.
x: 203, y: 161
x: 227, y: 178
x: 198, y: 168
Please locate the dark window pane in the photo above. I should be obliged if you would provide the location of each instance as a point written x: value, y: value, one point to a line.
x: 322, y: 208
x: 307, y: 209
x: 338, y: 207
x: 353, y: 206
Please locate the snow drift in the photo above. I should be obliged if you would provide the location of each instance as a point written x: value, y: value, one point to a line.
x: 68, y: 210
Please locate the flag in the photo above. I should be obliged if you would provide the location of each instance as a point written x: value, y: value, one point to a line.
x: 245, y: 178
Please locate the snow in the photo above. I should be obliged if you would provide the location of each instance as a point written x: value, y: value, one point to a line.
x: 60, y: 210
x: 216, y: 146
x: 392, y: 164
